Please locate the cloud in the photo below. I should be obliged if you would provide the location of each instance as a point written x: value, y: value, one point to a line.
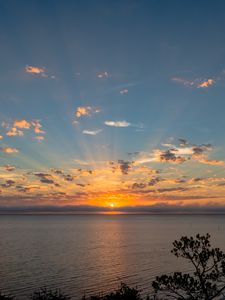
x: 45, y: 178
x: 179, y: 154
x: 8, y: 183
x: 9, y: 168
x: 103, y: 75
x: 169, y: 156
x: 81, y: 162
x: 206, y: 83
x: 34, y: 70
x: 68, y: 177
x: 117, y: 123
x: 37, y: 127
x: 8, y: 150
x: 1, y: 137
x: 18, y: 127
x: 86, y: 111
x: 197, y: 83
x: 124, y: 166
x: 139, y: 185
x: 22, y: 124
x: 212, y: 162
x: 125, y: 91
x: 92, y: 132
x: 183, y: 81
x: 39, y: 138
x: 38, y: 71
x: 14, y: 132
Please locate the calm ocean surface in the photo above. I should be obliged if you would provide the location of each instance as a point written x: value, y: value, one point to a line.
x: 94, y: 253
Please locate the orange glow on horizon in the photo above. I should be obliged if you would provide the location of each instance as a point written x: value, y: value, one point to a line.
x: 113, y: 200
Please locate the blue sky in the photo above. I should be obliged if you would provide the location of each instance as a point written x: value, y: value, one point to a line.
x: 84, y: 83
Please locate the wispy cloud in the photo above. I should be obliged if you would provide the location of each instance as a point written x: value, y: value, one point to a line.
x: 8, y: 150
x: 183, y: 81
x: 117, y: 123
x: 92, y: 132
x: 196, y: 83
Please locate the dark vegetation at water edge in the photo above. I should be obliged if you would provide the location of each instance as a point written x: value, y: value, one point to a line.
x: 206, y: 282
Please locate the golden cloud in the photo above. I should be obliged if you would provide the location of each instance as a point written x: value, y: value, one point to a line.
x: 34, y: 70
x: 14, y: 132
x: 83, y: 111
x: 206, y: 83
x: 86, y: 111
x: 37, y: 127
x: 8, y: 150
x: 22, y: 124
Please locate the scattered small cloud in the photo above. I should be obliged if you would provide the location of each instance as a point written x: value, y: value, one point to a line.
x: 103, y: 75
x: 196, y: 83
x: 206, y: 83
x: 18, y: 127
x: 8, y: 150
x: 86, y: 111
x: 34, y: 70
x: 38, y: 71
x: 125, y: 91
x: 37, y: 127
x: 22, y: 124
x: 14, y: 132
x: 92, y: 132
x: 117, y: 123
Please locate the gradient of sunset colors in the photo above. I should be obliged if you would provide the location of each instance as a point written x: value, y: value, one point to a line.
x: 112, y: 106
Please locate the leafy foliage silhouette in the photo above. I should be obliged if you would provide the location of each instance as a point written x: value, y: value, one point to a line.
x: 46, y: 294
x: 6, y: 297
x: 124, y: 292
x: 207, y: 281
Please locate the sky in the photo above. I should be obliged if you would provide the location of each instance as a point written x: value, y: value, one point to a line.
x: 112, y: 105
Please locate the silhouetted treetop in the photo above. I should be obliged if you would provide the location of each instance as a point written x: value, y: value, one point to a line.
x: 207, y: 281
